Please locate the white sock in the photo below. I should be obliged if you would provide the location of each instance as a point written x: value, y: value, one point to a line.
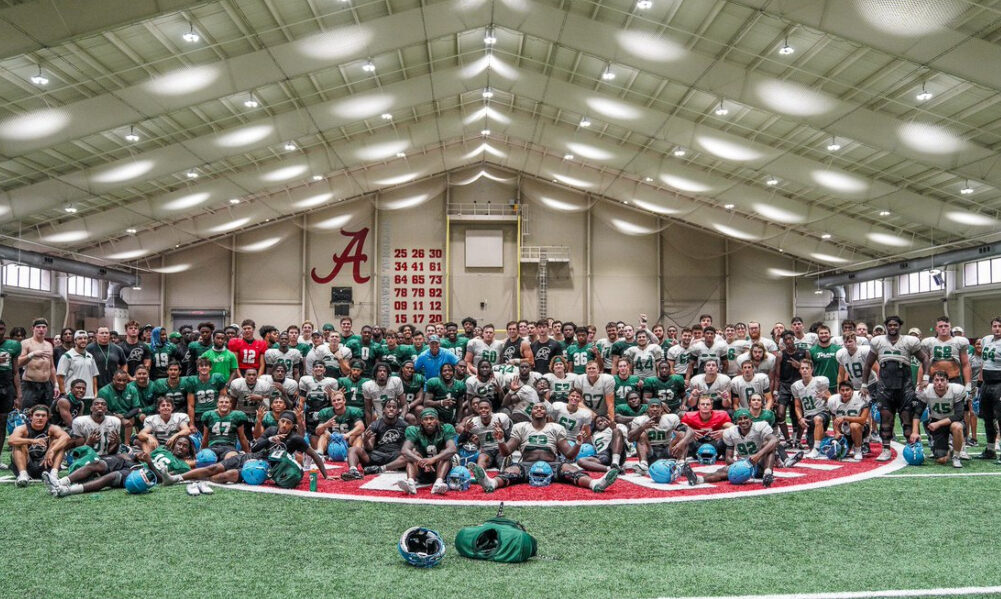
x: 64, y: 481
x: 616, y: 459
x: 177, y: 478
x: 439, y: 481
x: 768, y: 471
x: 76, y: 489
x: 594, y: 483
x: 699, y: 479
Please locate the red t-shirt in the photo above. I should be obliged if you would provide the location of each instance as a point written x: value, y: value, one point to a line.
x: 715, y: 422
x: 248, y: 353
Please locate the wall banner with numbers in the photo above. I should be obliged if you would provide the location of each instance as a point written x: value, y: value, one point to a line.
x: 417, y: 285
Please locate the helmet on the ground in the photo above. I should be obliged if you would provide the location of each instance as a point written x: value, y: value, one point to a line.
x: 740, y: 472
x: 338, y: 452
x: 663, y: 472
x: 706, y: 454
x: 844, y: 447
x: 467, y: 455
x: 254, y: 472
x: 540, y: 474
x: 14, y: 420
x: 914, y: 454
x: 139, y: 481
x: 422, y: 547
x: 205, y: 457
x: 586, y: 451
x: 829, y: 448
x: 458, y: 478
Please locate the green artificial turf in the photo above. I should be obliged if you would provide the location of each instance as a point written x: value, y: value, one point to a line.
x: 887, y: 533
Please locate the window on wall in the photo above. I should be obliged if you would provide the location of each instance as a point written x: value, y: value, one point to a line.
x: 919, y: 282
x: 866, y: 290
x: 27, y: 277
x: 83, y: 286
x: 982, y: 272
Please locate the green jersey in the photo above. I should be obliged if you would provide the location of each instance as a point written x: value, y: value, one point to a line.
x: 119, y: 402
x: 625, y: 410
x: 223, y: 362
x: 623, y: 386
x: 457, y: 347
x: 433, y: 445
x: 352, y: 391
x: 223, y: 430
x: 369, y: 354
x: 397, y: 356
x: 195, y: 351
x: 765, y: 416
x: 145, y: 396
x: 346, y: 421
x: 160, y: 358
x: 825, y: 363
x: 303, y: 348
x: 412, y: 387
x: 177, y: 393
x: 671, y: 391
x: 167, y: 461
x: 619, y: 348
x: 579, y: 356
x: 9, y: 352
x: 439, y: 390
x: 206, y: 392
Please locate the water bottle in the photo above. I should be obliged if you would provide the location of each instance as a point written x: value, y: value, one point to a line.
x: 312, y: 479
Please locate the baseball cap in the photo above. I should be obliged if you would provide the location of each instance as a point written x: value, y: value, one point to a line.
x: 434, y: 339
x: 327, y: 326
x: 914, y: 331
x: 174, y: 335
x: 80, y: 333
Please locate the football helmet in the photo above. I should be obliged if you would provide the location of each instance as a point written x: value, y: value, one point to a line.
x: 458, y: 478
x: 205, y: 457
x: 663, y: 472
x: 586, y: 451
x: 140, y: 481
x: 740, y: 472
x: 254, y: 472
x: 540, y: 474
x: 706, y: 454
x: 467, y: 455
x: 828, y: 448
x: 338, y: 452
x: 422, y: 547
x: 14, y: 420
x: 844, y: 447
x: 914, y: 454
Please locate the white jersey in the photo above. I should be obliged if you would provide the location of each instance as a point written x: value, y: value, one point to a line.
x: 289, y: 384
x: 602, y: 440
x: 489, y: 389
x: 330, y: 359
x: 951, y: 349
x: 679, y: 356
x: 572, y: 421
x: 702, y: 353
x: 806, y: 342
x: 162, y: 431
x: 529, y: 438
x: 371, y: 390
x: 741, y: 390
x: 853, y: 407
x: 943, y: 406
x: 662, y: 432
x: 485, y: 432
x: 504, y: 373
x: 901, y: 351
x: 812, y: 395
x: 769, y: 345
x: 749, y: 444
x: 481, y: 350
x: 853, y: 364
x: 240, y: 392
x: 644, y: 360
x: 525, y: 397
x: 733, y: 350
x: 84, y: 426
x: 289, y: 358
x: 316, y: 390
x: 765, y: 366
x: 604, y: 346
x: 991, y: 354
x: 594, y: 394
x: 719, y: 389
x: 561, y: 387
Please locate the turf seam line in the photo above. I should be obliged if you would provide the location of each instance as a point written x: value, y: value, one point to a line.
x: 992, y: 590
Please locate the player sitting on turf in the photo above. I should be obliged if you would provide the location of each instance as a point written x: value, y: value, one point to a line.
x: 851, y: 417
x: 608, y: 446
x: 708, y: 425
x: 223, y: 427
x: 428, y: 452
x: 37, y: 446
x: 97, y: 429
x: 572, y: 415
x: 655, y: 438
x: 480, y: 430
x: 381, y: 444
x: 74, y: 403
x: 946, y: 403
x: 281, y: 438
x: 109, y: 472
x: 755, y: 405
x: 634, y: 407
x: 339, y: 418
x: 164, y: 427
x: 539, y: 441
x: 810, y: 394
x: 753, y: 441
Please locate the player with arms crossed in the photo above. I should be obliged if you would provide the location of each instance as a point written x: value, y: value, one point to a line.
x: 851, y: 417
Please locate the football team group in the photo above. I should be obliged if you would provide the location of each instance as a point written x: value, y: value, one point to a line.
x: 550, y: 401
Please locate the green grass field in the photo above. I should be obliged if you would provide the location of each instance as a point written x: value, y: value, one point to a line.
x: 886, y: 533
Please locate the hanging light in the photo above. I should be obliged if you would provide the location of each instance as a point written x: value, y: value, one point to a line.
x: 728, y: 206
x: 644, y: 4
x: 490, y: 38
x: 290, y: 146
x: 771, y: 181
x: 884, y: 213
x: 607, y: 74
x: 251, y: 101
x: 585, y: 122
x: 192, y: 174
x: 679, y: 152
x: 70, y: 209
x: 924, y: 95
x: 131, y: 135
x: 191, y: 37
x: 786, y: 49
x: 39, y: 79
x: 369, y: 66
x: 485, y: 132
x: 721, y: 110
x: 834, y: 146
x: 568, y: 156
x: 488, y: 93
x: 318, y: 177
x: 387, y: 116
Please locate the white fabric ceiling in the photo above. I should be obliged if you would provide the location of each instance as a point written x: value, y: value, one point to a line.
x: 761, y: 174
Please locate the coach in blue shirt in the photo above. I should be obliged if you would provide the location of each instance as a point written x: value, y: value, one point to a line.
x: 429, y: 363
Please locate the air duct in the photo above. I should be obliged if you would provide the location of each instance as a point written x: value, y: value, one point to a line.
x: 907, y: 266
x: 72, y: 267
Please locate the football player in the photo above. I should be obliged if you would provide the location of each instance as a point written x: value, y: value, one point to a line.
x: 314, y: 393
x: 539, y: 440
x: 484, y: 385
x: 851, y: 360
x: 810, y: 394
x: 164, y: 427
x: 655, y: 437
x: 752, y: 441
x: 108, y: 472
x: 946, y: 403
x: 428, y: 452
x: 708, y: 425
x: 949, y: 353
x: 667, y: 387
x: 851, y: 416
x: 222, y: 428
x: 339, y: 417
x: 572, y: 416
x: 632, y: 409
x: 560, y: 380
x: 762, y: 360
x: 98, y: 430
x: 480, y: 429
x: 750, y: 383
x: 680, y: 354
x: 608, y: 445
x: 381, y: 444
x: 382, y: 388
x: 713, y: 384
x: 597, y: 388
x: 37, y: 446
x: 643, y: 356
x: 990, y: 387
x: 709, y: 349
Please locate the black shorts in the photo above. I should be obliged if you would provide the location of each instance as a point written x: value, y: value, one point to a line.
x: 895, y: 400
x: 118, y: 461
x: 658, y: 452
x: 784, y: 395
x: 35, y: 467
x: 562, y: 472
x: 939, y: 441
x: 7, y: 395
x: 810, y: 424
x: 236, y: 462
x: 604, y: 458
x: 33, y: 393
x: 376, y: 457
x: 496, y: 459
x: 220, y: 451
x: 847, y: 431
x: 426, y: 478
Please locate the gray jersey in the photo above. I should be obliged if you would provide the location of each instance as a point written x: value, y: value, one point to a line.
x: 605, y: 350
x: 741, y: 390
x: 853, y: 407
x: 718, y: 389
x: 644, y: 360
x: 733, y: 350
x: 572, y: 421
x: 504, y: 373
x: 951, y: 349
x: 289, y: 385
x: 380, y: 394
x: 769, y: 345
x: 807, y: 341
x: 942, y: 406
x: 602, y: 440
x: 812, y: 395
x: 702, y: 353
x: 525, y: 397
x: 594, y: 394
x: 529, y: 438
x: 991, y: 354
x: 289, y: 358
x: 330, y: 359
x: 663, y: 431
x: 679, y: 356
x: 240, y: 392
x: 749, y: 444
x: 489, y: 389
x: 162, y: 431
x: 560, y: 387
x: 901, y: 351
x: 84, y: 426
x: 854, y: 364
x: 765, y: 366
x: 481, y: 350
x: 485, y: 432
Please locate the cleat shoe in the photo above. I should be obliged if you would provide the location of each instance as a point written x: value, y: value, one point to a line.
x: 988, y: 454
x: 956, y: 462
x: 408, y: 486
x: 857, y: 456
x: 767, y: 479
x: 352, y: 474
x: 886, y: 456
x: 51, y: 482
x: 61, y: 491
x: 794, y: 459
x: 193, y: 490
x: 164, y: 477
x: 642, y: 467
x: 813, y: 455
x: 963, y: 455
x: 439, y: 487
x: 605, y: 481
x: 22, y: 480
x: 372, y: 470
x: 204, y: 488
x: 480, y: 475
x: 689, y: 474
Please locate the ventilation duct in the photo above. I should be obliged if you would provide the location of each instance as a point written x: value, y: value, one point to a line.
x: 73, y: 267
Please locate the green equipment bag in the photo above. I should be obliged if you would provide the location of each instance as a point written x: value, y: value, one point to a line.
x: 284, y: 470
x: 498, y: 540
x: 82, y: 456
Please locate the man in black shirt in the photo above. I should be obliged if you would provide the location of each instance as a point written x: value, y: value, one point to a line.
x: 108, y: 356
x: 136, y: 351
x: 786, y: 373
x: 382, y: 442
x: 544, y: 348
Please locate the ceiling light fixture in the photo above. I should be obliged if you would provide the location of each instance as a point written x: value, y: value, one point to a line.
x: 251, y: 101
x: 318, y: 177
x: 585, y: 122
x: 607, y: 74
x: 39, y: 79
x: 818, y: 291
x: 290, y: 146
x: 386, y: 116
x: 728, y: 206
x: 488, y: 93
x: 648, y: 179
x: 884, y: 213
x: 834, y: 146
x: 369, y: 66
x: 191, y: 37
x: 771, y: 181
x: 131, y: 135
x: 568, y: 157
x: 490, y: 38
x: 131, y: 231
x: 485, y: 132
x: 644, y: 4
x: 70, y: 210
x: 786, y: 49
x: 401, y: 154
x: 192, y: 174
x: 234, y: 201
x: 967, y: 190
x: 680, y: 152
x: 825, y: 236
x: 721, y: 110
x: 924, y: 95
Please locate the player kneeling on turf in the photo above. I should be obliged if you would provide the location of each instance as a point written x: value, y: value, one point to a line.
x: 428, y: 452
x: 655, y: 438
x: 275, y: 439
x: 851, y: 417
x: 752, y: 441
x: 946, y: 403
x: 608, y: 446
x: 381, y: 444
x: 539, y: 441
